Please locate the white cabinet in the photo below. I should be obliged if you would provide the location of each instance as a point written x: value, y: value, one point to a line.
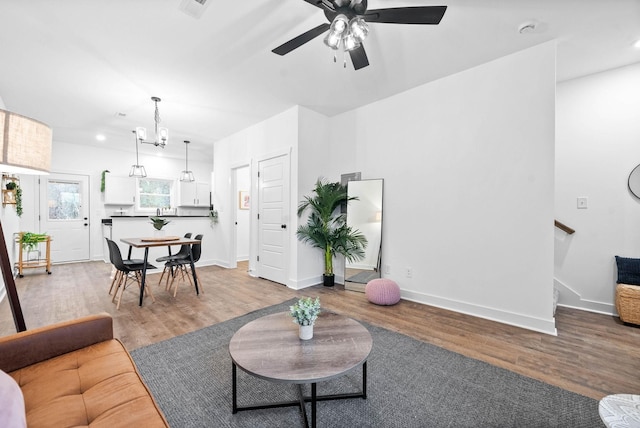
x: 193, y: 194
x: 119, y: 190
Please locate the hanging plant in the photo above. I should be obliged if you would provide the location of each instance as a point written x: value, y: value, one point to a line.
x: 102, y: 180
x: 213, y: 216
x: 19, y: 201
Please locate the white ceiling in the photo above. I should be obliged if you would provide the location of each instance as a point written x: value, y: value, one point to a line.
x: 77, y: 64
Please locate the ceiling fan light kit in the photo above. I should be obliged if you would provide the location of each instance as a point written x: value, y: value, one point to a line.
x: 349, y: 26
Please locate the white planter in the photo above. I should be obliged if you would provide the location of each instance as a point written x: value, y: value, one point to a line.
x: 306, y: 332
x: 159, y: 233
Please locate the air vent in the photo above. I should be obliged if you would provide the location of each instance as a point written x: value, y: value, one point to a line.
x: 194, y: 8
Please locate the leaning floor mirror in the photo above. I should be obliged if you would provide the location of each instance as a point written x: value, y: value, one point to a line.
x: 365, y: 214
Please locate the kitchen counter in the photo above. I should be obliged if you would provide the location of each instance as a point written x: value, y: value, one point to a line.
x: 162, y: 216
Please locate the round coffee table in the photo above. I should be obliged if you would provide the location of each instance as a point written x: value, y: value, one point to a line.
x: 269, y: 348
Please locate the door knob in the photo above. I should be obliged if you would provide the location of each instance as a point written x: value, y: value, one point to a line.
x: 284, y: 226
x: 86, y: 224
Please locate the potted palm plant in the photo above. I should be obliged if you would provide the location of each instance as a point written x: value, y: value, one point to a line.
x: 327, y: 229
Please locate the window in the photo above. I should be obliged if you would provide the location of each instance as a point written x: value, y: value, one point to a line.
x: 64, y: 200
x: 153, y: 193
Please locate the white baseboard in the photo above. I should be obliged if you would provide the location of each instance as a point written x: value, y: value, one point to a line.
x: 569, y: 298
x: 504, y: 317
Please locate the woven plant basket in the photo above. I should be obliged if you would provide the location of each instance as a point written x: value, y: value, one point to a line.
x: 628, y: 303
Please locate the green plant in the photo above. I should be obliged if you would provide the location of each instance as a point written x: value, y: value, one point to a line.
x: 102, y: 180
x: 159, y: 222
x: 11, y: 185
x: 326, y: 228
x: 30, y: 240
x: 305, y: 311
x: 213, y: 216
x: 19, y: 201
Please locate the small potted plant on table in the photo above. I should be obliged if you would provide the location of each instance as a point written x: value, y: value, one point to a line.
x: 304, y: 313
x: 158, y: 224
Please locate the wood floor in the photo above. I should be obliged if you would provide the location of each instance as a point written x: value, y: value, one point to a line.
x: 593, y: 355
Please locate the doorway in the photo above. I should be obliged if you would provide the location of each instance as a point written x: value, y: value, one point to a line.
x: 273, y: 218
x: 64, y: 215
x: 242, y: 191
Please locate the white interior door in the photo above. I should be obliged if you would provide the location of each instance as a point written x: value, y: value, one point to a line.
x: 64, y: 215
x: 273, y: 238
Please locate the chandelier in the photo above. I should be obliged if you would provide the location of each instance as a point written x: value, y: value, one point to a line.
x: 348, y: 33
x: 161, y: 134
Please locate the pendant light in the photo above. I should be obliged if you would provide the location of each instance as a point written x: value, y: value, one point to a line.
x: 186, y: 175
x: 137, y: 170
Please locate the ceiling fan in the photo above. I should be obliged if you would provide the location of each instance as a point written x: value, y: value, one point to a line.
x: 348, y: 25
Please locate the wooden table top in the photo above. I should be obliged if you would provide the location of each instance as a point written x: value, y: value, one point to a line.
x: 141, y: 243
x: 270, y: 348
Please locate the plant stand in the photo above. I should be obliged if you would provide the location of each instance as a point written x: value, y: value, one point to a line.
x: 34, y: 264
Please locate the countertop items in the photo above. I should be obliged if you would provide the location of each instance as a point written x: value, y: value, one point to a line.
x: 147, y: 216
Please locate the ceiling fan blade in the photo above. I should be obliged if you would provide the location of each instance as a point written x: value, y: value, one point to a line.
x: 303, y: 38
x: 323, y: 4
x: 407, y: 15
x: 359, y: 57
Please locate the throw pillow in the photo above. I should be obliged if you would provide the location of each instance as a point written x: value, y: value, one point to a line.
x: 628, y: 270
x: 12, y: 412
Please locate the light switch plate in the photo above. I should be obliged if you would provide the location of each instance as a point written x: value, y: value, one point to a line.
x: 583, y: 202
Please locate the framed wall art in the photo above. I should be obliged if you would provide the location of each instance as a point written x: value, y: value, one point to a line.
x: 244, y: 200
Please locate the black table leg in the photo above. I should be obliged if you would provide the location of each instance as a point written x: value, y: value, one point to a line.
x: 313, y: 405
x: 234, y: 387
x: 144, y: 274
x: 364, y: 380
x: 193, y: 271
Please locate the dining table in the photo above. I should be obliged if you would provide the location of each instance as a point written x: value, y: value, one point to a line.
x: 161, y: 241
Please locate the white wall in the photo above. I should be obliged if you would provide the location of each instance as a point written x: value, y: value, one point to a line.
x: 468, y: 164
x: 275, y: 136
x: 243, y: 218
x: 597, y: 146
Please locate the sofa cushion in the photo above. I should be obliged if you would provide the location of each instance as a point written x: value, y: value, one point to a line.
x: 96, y: 386
x: 11, y: 403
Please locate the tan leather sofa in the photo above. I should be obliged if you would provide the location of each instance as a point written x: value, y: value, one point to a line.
x: 76, y: 374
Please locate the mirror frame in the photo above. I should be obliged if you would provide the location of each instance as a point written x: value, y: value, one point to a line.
x: 378, y: 267
x: 633, y: 183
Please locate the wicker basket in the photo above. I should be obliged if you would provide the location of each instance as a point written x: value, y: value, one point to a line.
x: 628, y: 303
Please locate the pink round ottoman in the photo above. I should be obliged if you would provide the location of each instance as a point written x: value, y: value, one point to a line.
x: 382, y: 291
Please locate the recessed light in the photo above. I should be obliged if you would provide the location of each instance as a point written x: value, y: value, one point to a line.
x: 100, y: 137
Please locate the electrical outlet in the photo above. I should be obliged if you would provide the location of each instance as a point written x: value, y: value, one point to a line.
x: 408, y: 272
x: 387, y: 269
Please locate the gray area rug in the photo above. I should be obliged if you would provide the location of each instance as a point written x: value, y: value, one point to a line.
x: 410, y: 384
x: 364, y: 277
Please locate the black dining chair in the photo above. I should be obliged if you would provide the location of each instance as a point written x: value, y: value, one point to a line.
x: 118, y: 273
x: 182, y: 253
x: 125, y: 272
x: 182, y: 266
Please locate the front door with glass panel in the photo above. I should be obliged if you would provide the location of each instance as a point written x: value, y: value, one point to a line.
x: 64, y: 215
